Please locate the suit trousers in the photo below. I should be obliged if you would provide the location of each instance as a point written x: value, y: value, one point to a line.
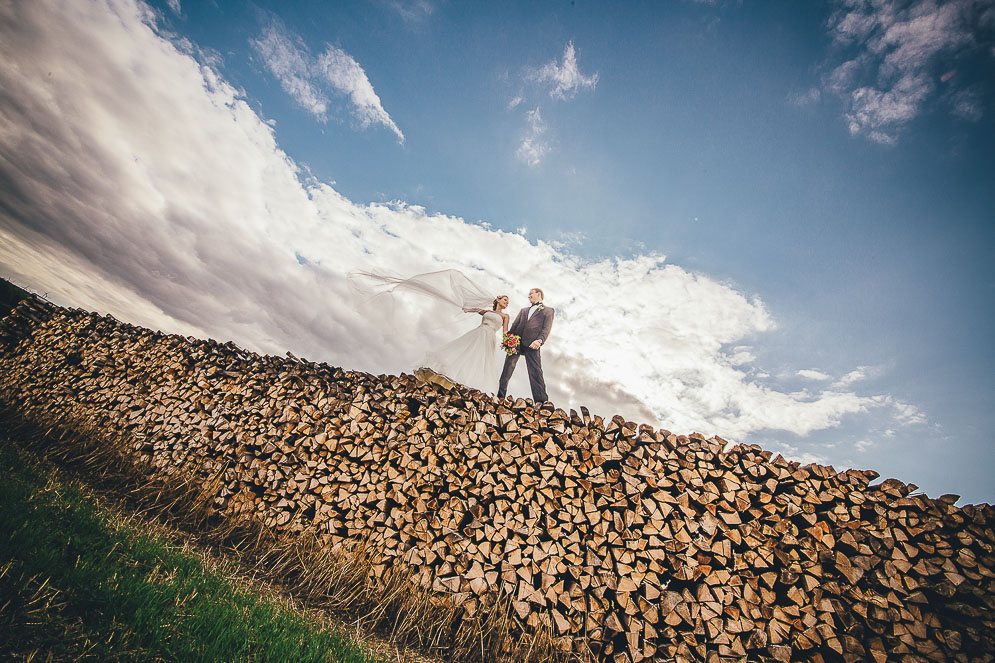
x: 533, y: 362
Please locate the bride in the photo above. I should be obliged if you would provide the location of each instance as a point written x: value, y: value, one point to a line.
x: 471, y: 359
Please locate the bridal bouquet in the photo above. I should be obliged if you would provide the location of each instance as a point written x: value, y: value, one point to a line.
x: 510, y: 344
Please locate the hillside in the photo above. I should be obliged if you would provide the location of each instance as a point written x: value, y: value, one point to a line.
x: 622, y: 542
x: 82, y: 578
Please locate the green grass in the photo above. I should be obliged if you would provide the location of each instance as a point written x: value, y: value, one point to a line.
x: 74, y: 586
x: 10, y: 295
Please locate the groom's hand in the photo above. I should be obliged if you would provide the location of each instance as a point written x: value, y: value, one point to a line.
x: 535, y: 345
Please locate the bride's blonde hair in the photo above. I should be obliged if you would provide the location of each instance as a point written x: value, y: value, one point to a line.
x: 494, y: 305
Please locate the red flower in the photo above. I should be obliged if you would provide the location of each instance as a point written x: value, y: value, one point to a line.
x: 510, y: 344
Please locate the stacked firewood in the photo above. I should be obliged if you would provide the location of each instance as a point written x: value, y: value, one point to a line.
x: 632, y: 543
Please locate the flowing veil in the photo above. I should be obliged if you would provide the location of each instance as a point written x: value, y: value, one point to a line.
x: 448, y: 285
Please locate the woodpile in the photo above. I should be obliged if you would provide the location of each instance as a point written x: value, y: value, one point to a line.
x: 625, y: 542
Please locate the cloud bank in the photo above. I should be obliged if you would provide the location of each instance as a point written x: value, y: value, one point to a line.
x: 165, y: 200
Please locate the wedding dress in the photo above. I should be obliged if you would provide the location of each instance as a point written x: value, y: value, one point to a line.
x: 471, y: 359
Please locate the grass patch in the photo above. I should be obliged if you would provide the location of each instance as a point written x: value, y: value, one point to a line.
x: 10, y: 295
x: 73, y: 586
x: 394, y: 617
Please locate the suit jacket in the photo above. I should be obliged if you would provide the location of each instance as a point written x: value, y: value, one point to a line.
x: 538, y: 326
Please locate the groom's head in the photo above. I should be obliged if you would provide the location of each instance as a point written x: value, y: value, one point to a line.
x: 535, y: 296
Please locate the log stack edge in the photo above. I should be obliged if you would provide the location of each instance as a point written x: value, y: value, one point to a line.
x: 636, y: 543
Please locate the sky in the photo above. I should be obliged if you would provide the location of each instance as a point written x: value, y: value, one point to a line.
x: 767, y: 221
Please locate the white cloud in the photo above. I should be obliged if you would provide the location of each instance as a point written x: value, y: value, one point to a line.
x: 864, y: 445
x: 175, y: 6
x: 856, y: 375
x: 968, y: 104
x: 795, y: 453
x: 567, y: 239
x: 534, y: 146
x: 412, y: 11
x: 344, y: 74
x: 306, y: 79
x: 807, y: 98
x: 810, y: 374
x: 893, y: 49
x: 564, y: 75
x: 287, y: 59
x: 565, y: 80
x: 807, y: 458
x: 905, y: 413
x: 878, y: 113
x: 204, y: 226
x: 740, y: 355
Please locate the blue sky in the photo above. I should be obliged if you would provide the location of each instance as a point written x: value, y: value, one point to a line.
x: 768, y: 221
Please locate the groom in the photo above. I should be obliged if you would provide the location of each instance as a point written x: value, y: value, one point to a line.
x: 533, y: 324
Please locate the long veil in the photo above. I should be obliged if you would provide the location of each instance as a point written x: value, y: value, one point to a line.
x: 448, y: 285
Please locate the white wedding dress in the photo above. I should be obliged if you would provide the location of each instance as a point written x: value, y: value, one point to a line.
x: 471, y: 359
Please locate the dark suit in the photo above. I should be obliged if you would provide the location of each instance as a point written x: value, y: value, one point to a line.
x: 530, y: 329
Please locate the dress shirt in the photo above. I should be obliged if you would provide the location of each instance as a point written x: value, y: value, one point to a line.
x: 532, y: 311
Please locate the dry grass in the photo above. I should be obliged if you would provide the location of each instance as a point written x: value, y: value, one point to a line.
x: 395, y: 617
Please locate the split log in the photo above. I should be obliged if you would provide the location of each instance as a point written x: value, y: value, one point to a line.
x: 639, y: 544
